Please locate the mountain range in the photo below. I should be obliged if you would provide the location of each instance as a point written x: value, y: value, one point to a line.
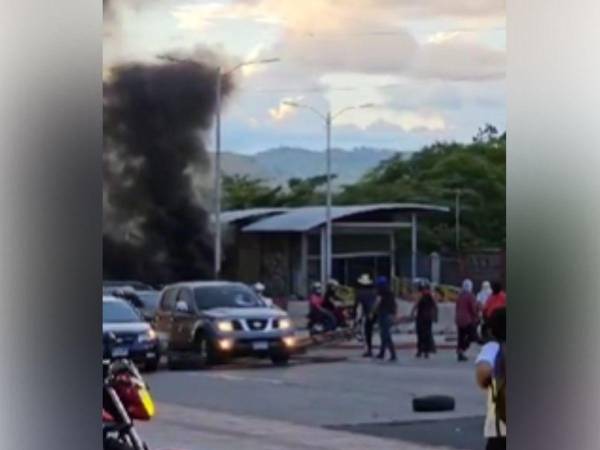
x: 277, y: 165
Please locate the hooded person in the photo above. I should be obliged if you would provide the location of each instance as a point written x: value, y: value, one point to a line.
x: 425, y: 313
x: 466, y: 318
x: 484, y: 294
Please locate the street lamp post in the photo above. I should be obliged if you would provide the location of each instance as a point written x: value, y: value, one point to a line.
x: 328, y: 118
x: 217, y: 180
x: 457, y: 219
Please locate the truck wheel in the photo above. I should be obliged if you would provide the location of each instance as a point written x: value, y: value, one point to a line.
x: 202, y: 353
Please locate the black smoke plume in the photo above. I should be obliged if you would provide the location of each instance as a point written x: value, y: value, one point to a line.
x: 156, y: 224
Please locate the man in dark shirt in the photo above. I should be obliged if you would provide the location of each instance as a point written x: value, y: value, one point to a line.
x: 366, y: 297
x: 386, y: 309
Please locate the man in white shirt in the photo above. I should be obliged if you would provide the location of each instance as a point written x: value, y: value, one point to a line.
x: 490, y: 367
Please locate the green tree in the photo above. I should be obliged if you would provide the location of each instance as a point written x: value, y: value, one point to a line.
x: 241, y: 191
x: 432, y: 175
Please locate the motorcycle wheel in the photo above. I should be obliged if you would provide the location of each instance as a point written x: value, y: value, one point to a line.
x: 116, y: 444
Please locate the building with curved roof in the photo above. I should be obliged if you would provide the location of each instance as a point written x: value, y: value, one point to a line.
x: 285, y: 248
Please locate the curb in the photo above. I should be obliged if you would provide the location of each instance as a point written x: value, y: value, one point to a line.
x: 307, y: 343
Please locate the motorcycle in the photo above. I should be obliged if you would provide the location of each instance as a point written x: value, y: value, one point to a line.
x: 125, y: 398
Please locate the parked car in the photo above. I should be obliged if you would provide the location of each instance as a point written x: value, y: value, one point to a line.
x: 134, y: 338
x: 144, y: 301
x: 137, y: 285
x: 210, y: 322
x: 149, y: 301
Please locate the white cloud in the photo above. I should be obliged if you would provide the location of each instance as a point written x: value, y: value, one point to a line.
x: 406, y: 120
x: 459, y: 59
x: 338, y: 53
x: 283, y: 110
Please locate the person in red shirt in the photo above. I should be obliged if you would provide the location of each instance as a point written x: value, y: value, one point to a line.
x: 495, y: 301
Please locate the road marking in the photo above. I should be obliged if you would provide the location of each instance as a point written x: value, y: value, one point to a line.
x: 231, y: 377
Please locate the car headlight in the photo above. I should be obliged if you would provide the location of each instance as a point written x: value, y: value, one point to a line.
x: 285, y: 324
x: 147, y: 336
x: 225, y: 326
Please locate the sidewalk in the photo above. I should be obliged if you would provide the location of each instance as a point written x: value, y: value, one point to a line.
x: 180, y: 428
x: 403, y: 341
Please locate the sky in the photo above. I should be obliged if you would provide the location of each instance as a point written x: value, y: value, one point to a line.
x: 430, y: 69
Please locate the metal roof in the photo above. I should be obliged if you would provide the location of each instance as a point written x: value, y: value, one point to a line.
x: 250, y: 213
x: 307, y: 218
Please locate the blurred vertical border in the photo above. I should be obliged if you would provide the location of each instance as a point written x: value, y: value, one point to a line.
x: 50, y: 226
x: 553, y: 215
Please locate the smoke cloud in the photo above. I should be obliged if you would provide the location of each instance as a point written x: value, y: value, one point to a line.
x: 156, y: 116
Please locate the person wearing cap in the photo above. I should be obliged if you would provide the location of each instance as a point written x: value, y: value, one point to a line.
x: 386, y: 308
x: 366, y: 297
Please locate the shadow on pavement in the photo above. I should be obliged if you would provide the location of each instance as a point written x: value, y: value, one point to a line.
x: 460, y: 434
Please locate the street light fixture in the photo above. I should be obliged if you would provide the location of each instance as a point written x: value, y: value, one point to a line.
x: 217, y: 187
x: 328, y: 118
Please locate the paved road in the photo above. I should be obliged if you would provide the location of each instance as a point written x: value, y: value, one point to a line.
x: 327, y: 399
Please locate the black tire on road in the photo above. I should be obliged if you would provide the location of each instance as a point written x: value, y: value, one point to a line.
x: 433, y: 403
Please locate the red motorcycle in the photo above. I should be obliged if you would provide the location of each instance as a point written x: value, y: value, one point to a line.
x: 125, y: 398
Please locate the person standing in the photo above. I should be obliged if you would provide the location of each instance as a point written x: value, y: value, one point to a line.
x: 425, y: 312
x: 482, y: 299
x: 496, y: 301
x: 366, y: 297
x: 490, y: 372
x: 385, y: 308
x: 466, y: 318
x: 484, y: 294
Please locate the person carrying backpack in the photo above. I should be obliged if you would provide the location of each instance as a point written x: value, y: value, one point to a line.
x: 491, y: 376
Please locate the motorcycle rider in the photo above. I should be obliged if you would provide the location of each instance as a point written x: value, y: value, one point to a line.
x: 329, y: 302
x: 318, y: 314
x: 259, y: 288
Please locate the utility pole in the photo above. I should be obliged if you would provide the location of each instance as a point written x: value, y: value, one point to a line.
x: 457, y: 219
x: 329, y: 234
x: 217, y: 182
x: 328, y: 118
x: 217, y: 187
